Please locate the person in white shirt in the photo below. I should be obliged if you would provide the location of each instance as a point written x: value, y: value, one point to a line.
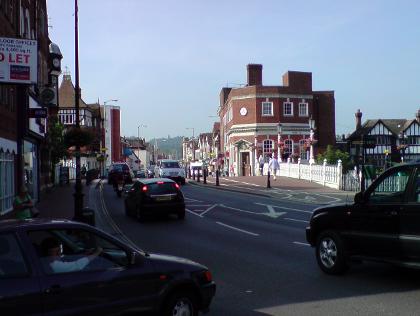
x: 55, y: 259
x: 273, y: 165
x: 261, y: 164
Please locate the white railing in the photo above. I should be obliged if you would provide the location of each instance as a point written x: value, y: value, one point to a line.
x: 327, y: 175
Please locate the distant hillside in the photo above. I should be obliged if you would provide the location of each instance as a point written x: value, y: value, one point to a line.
x: 169, y: 146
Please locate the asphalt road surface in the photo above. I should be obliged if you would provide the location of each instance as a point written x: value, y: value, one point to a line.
x: 255, y: 248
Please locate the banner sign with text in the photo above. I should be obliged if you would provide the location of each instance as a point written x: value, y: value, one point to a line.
x: 18, y: 60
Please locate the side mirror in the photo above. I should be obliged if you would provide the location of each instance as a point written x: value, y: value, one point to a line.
x: 358, y: 198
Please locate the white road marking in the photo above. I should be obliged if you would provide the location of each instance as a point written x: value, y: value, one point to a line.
x: 198, y: 205
x: 271, y: 212
x: 192, y: 200
x: 237, y: 229
x: 194, y: 213
x: 209, y: 209
x: 238, y: 209
x: 301, y: 243
x: 295, y: 220
x: 287, y: 208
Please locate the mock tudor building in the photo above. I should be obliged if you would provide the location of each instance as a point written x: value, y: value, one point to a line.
x: 382, y: 141
x: 267, y: 120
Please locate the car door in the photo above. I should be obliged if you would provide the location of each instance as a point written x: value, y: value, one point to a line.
x: 108, y: 284
x: 374, y: 224
x: 20, y: 292
x: 410, y: 221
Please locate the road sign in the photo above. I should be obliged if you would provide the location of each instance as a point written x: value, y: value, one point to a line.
x: 38, y: 112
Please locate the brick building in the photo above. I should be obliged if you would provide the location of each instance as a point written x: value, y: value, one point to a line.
x: 90, y: 119
x: 24, y: 157
x: 266, y: 120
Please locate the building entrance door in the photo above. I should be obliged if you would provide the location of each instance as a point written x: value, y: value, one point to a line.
x: 245, y: 164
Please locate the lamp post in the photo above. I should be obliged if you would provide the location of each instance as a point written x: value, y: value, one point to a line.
x: 193, y: 145
x: 311, y: 139
x: 78, y: 195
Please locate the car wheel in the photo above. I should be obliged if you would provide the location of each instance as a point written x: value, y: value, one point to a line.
x: 181, y: 304
x: 330, y: 253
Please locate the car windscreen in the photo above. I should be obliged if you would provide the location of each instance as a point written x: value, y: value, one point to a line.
x: 161, y: 188
x: 170, y: 164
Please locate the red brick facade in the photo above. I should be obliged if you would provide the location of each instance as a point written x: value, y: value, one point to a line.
x: 245, y: 125
x: 116, y: 135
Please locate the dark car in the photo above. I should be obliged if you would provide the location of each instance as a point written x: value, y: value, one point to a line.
x: 383, y: 224
x: 153, y: 197
x: 39, y: 274
x: 120, y: 171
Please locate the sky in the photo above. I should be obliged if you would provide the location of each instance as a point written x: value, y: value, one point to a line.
x: 167, y: 60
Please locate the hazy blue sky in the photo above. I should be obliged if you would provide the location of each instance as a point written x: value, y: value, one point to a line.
x: 166, y: 61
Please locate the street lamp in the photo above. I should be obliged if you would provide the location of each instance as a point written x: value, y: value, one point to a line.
x: 193, y: 145
x: 78, y: 194
x: 311, y: 140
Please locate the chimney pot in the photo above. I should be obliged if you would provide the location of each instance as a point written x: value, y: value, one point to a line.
x: 358, y: 115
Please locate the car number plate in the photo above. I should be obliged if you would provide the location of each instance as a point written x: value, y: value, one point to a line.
x: 163, y: 198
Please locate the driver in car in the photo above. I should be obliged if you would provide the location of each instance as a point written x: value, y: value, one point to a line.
x: 52, y: 248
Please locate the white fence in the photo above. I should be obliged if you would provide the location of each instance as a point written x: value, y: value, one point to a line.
x: 65, y: 172
x: 327, y: 175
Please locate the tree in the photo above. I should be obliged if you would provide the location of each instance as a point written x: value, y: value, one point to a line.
x: 333, y: 155
x: 55, y: 142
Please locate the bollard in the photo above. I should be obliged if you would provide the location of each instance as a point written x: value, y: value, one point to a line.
x: 198, y: 175
x: 189, y: 173
x: 268, y: 180
x: 217, y: 177
x: 205, y: 176
x: 193, y: 172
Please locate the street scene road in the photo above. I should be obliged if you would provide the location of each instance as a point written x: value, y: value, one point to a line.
x: 256, y: 249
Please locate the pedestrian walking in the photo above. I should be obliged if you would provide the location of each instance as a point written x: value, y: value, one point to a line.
x: 23, y: 204
x: 273, y: 165
x: 261, y: 164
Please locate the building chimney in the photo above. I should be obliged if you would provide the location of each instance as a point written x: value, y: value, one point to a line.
x: 358, y: 115
x: 254, y: 74
x: 418, y: 116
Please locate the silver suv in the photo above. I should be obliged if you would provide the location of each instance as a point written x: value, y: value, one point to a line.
x: 168, y: 168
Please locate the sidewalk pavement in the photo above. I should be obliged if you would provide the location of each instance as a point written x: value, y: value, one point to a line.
x: 258, y: 185
x: 58, y: 202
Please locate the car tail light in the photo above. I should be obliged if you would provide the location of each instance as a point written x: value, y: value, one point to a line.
x: 144, y: 188
x: 176, y: 185
x: 160, y: 182
x: 207, y: 276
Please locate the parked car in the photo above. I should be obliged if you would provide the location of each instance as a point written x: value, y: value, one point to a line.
x: 118, y: 169
x: 153, y: 197
x: 167, y: 168
x: 113, y: 279
x: 383, y: 224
